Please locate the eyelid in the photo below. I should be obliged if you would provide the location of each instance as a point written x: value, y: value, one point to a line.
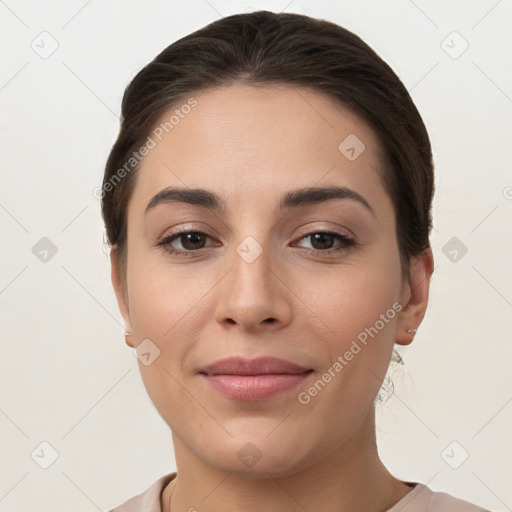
x: 339, y: 230
x: 186, y: 228
x: 346, y: 242
x: 182, y: 229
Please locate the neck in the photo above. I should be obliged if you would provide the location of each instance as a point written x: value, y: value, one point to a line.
x: 351, y: 477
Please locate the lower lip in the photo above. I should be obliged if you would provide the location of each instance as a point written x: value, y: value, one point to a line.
x: 254, y: 387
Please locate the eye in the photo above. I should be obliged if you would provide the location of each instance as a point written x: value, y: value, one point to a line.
x: 322, y: 242
x: 192, y: 241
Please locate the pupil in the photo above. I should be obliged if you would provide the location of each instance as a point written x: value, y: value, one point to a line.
x: 320, y: 237
x: 189, y: 237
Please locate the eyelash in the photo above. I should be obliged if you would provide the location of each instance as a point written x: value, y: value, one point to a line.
x: 346, y: 243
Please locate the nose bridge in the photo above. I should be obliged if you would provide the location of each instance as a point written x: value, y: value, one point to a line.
x: 252, y: 295
x: 252, y: 246
x: 251, y: 268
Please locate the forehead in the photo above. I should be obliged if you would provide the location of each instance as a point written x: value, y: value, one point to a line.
x: 246, y: 142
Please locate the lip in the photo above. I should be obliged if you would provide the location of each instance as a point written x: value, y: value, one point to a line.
x: 264, y: 365
x: 253, y: 379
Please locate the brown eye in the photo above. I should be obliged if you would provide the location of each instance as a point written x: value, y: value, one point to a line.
x: 191, y: 241
x: 322, y: 242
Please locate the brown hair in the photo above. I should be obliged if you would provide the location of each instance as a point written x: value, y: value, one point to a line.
x: 261, y: 48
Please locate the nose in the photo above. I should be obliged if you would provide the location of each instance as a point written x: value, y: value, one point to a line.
x: 255, y: 295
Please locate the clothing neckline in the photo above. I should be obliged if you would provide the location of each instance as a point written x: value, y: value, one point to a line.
x: 419, y: 492
x: 416, y: 489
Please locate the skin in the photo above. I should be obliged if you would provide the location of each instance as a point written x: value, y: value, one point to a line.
x: 251, y: 145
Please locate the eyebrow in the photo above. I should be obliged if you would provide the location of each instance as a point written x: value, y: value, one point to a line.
x: 291, y: 199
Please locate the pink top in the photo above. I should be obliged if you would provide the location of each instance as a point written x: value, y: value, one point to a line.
x: 420, y: 499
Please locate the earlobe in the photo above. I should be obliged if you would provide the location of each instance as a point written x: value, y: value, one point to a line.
x: 127, y: 334
x: 417, y: 291
x: 121, y: 295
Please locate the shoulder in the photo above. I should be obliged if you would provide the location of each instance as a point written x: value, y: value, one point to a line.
x: 147, y: 501
x: 441, y: 502
x: 423, y: 499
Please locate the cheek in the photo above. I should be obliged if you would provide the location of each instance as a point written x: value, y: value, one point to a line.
x: 359, y: 306
x: 161, y: 295
x: 167, y: 306
x: 162, y: 311
x: 353, y: 299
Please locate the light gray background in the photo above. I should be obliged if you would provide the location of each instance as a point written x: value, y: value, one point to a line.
x: 67, y: 376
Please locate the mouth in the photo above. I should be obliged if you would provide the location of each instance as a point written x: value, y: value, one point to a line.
x: 264, y: 365
x: 253, y: 379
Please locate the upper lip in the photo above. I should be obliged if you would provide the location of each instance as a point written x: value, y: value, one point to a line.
x: 260, y: 366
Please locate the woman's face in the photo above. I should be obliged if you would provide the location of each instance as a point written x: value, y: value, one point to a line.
x: 262, y: 279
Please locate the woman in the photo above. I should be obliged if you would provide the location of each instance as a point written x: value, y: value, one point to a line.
x: 268, y: 206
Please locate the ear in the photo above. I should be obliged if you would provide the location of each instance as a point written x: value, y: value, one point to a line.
x: 121, y: 293
x: 414, y: 298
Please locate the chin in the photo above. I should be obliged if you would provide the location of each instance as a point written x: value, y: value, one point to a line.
x: 259, y: 455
